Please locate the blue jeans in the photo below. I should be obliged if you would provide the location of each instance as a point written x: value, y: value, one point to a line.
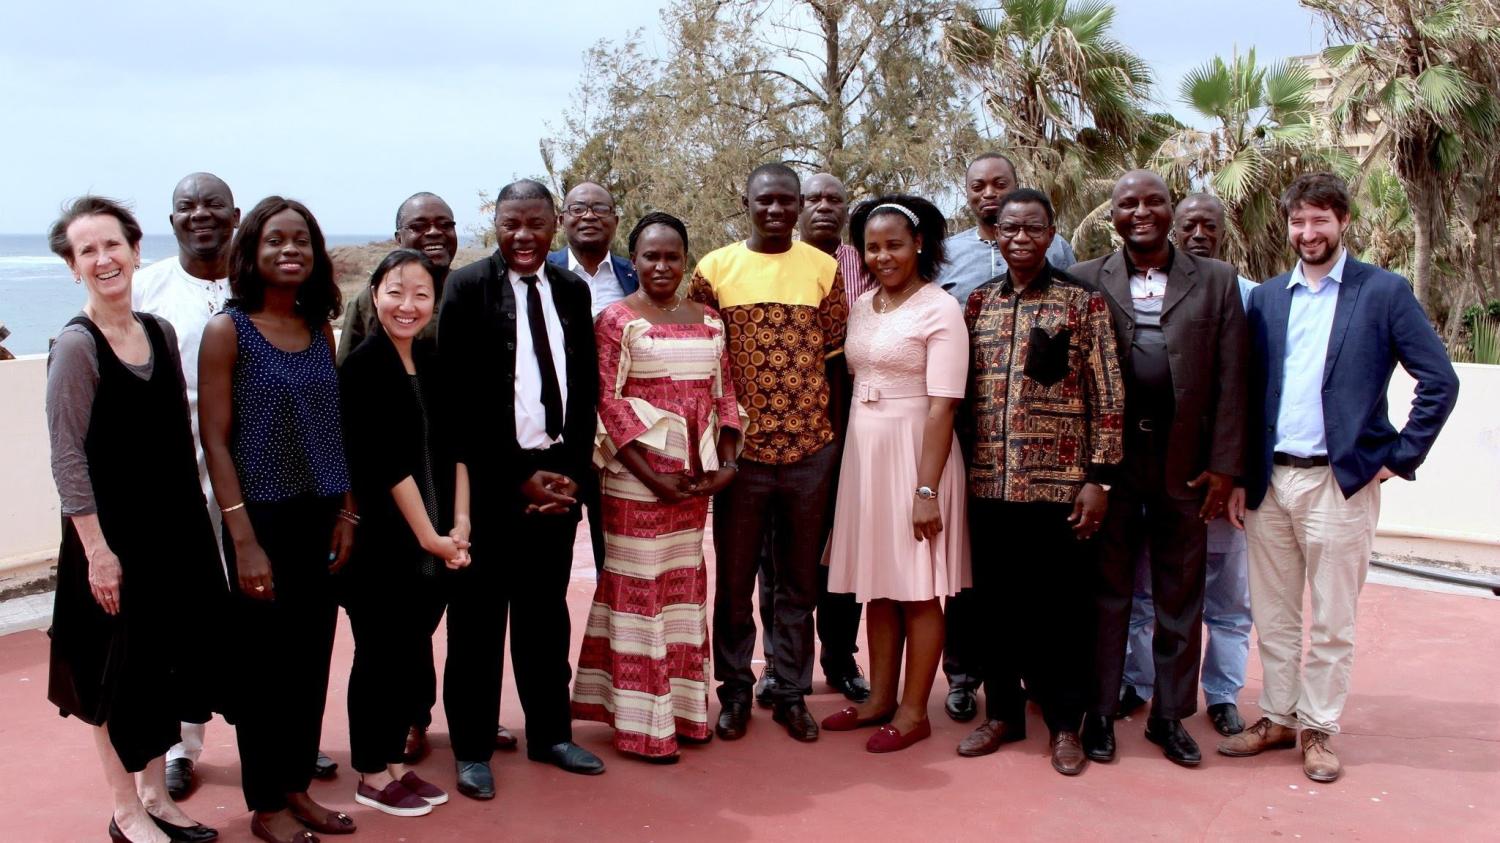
x: 1226, y: 613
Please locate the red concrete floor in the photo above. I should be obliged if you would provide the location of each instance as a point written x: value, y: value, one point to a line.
x: 1421, y: 748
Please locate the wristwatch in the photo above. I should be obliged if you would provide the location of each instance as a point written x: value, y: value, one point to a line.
x: 926, y: 493
x: 1104, y: 486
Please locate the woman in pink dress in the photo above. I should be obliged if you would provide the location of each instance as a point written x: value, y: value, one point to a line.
x: 899, y: 541
x: 669, y: 430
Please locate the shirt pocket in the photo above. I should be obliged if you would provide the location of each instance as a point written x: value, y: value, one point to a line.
x: 1047, y: 355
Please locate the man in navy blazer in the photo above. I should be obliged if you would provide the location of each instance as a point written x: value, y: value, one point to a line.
x: 589, y: 219
x: 1325, y: 339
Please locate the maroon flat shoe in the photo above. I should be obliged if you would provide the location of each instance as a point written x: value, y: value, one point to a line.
x: 847, y: 720
x: 887, y: 739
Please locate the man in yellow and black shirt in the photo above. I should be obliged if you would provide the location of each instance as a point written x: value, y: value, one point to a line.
x: 782, y: 302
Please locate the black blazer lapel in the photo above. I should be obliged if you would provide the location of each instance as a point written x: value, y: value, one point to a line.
x: 1115, y: 281
x: 1180, y: 281
x: 1354, y: 276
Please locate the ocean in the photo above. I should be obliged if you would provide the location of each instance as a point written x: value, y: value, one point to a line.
x: 38, y: 295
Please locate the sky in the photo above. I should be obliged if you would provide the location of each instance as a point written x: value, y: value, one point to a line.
x: 352, y: 106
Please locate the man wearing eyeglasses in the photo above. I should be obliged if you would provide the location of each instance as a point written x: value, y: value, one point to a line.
x: 589, y: 219
x: 423, y: 222
x: 974, y: 257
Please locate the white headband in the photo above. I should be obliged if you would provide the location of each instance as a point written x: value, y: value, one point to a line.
x: 905, y: 211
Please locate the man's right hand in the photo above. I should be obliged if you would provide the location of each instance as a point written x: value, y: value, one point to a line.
x: 549, y: 493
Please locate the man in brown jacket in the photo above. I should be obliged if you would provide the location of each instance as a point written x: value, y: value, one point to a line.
x: 1182, y: 345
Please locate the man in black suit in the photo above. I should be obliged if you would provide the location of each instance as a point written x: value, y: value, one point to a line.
x: 1180, y: 327
x: 518, y: 353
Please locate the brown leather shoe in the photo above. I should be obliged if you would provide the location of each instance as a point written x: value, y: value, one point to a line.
x: 989, y: 736
x: 1318, y: 760
x: 1261, y: 736
x: 1067, y: 753
x: 416, y: 745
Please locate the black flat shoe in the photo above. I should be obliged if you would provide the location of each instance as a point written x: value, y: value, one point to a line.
x: 1099, y: 737
x: 1175, y: 742
x: 853, y: 686
x: 1130, y: 703
x: 475, y: 780
x: 198, y: 833
x: 179, y: 778
x: 1226, y: 719
x: 325, y: 768
x: 798, y: 721
x: 765, y: 687
x: 115, y: 834
x: 733, y: 721
x: 962, y: 704
x: 569, y: 756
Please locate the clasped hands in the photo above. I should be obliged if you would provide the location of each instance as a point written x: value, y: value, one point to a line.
x: 676, y: 488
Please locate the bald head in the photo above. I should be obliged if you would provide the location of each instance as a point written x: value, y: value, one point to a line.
x: 203, y: 220
x: 589, y: 221
x: 1198, y: 225
x: 425, y: 222
x: 825, y: 211
x: 1141, y: 210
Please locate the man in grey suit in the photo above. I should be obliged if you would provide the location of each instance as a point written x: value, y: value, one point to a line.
x: 1182, y: 342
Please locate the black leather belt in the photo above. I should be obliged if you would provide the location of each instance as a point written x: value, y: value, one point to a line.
x: 1299, y: 462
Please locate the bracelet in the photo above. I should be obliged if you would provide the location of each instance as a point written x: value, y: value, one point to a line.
x: 240, y: 505
x: 349, y: 516
x: 732, y: 465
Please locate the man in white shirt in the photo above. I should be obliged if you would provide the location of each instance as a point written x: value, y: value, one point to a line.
x: 186, y: 291
x: 589, y: 219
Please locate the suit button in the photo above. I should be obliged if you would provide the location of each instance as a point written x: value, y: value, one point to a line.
x: 1270, y: 428
x: 510, y: 316
x: 510, y: 346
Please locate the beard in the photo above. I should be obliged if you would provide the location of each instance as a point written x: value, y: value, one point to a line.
x: 1317, y: 253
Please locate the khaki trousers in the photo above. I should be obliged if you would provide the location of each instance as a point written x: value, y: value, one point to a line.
x: 1305, y: 531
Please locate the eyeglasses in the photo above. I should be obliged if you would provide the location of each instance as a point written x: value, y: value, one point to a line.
x: 1009, y: 230
x: 578, y: 209
x: 420, y: 227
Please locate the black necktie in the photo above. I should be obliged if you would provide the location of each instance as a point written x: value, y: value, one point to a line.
x: 551, y: 392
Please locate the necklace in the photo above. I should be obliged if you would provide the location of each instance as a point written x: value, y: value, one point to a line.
x: 676, y: 303
x: 883, y: 301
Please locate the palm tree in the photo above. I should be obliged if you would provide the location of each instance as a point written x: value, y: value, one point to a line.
x: 1264, y: 134
x: 1427, y: 69
x: 1069, y: 99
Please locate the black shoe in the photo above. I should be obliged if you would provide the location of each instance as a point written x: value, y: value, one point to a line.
x: 179, y: 778
x: 1099, y: 737
x: 1175, y: 742
x: 962, y: 704
x: 733, y: 721
x: 569, y: 756
x: 765, y: 687
x: 852, y: 685
x: 798, y: 721
x: 326, y: 768
x: 1130, y: 702
x: 475, y: 780
x: 1226, y: 719
x: 199, y: 833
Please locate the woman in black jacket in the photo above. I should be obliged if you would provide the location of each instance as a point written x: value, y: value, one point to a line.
x: 414, y: 523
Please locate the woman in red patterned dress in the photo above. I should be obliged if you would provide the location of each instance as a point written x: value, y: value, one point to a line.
x: 669, y: 430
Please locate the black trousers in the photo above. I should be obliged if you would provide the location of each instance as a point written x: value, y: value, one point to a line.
x: 1031, y: 587
x: 837, y: 617
x: 593, y: 508
x: 392, y: 656
x: 963, y: 638
x: 794, y: 498
x: 430, y: 601
x: 520, y: 569
x: 1141, y: 515
x: 286, y: 643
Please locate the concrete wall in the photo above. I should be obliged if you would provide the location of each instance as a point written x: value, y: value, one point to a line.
x: 1449, y: 515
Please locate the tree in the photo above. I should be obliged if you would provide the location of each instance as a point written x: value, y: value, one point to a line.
x: 1069, y: 101
x: 1427, y: 69
x: 1265, y: 134
x: 854, y: 87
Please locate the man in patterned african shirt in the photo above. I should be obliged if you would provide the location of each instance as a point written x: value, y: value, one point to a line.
x: 783, y: 306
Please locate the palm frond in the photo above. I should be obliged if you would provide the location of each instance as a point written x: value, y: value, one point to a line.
x: 1445, y: 89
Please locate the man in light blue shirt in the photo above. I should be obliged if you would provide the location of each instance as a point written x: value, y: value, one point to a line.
x: 973, y: 255
x: 1299, y: 422
x: 974, y: 258
x: 1198, y: 227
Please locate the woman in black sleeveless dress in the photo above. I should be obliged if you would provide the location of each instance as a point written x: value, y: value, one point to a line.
x: 137, y: 543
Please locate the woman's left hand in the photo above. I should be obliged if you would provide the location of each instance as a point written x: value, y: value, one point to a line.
x: 926, y: 520
x: 714, y: 483
x: 343, y: 542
